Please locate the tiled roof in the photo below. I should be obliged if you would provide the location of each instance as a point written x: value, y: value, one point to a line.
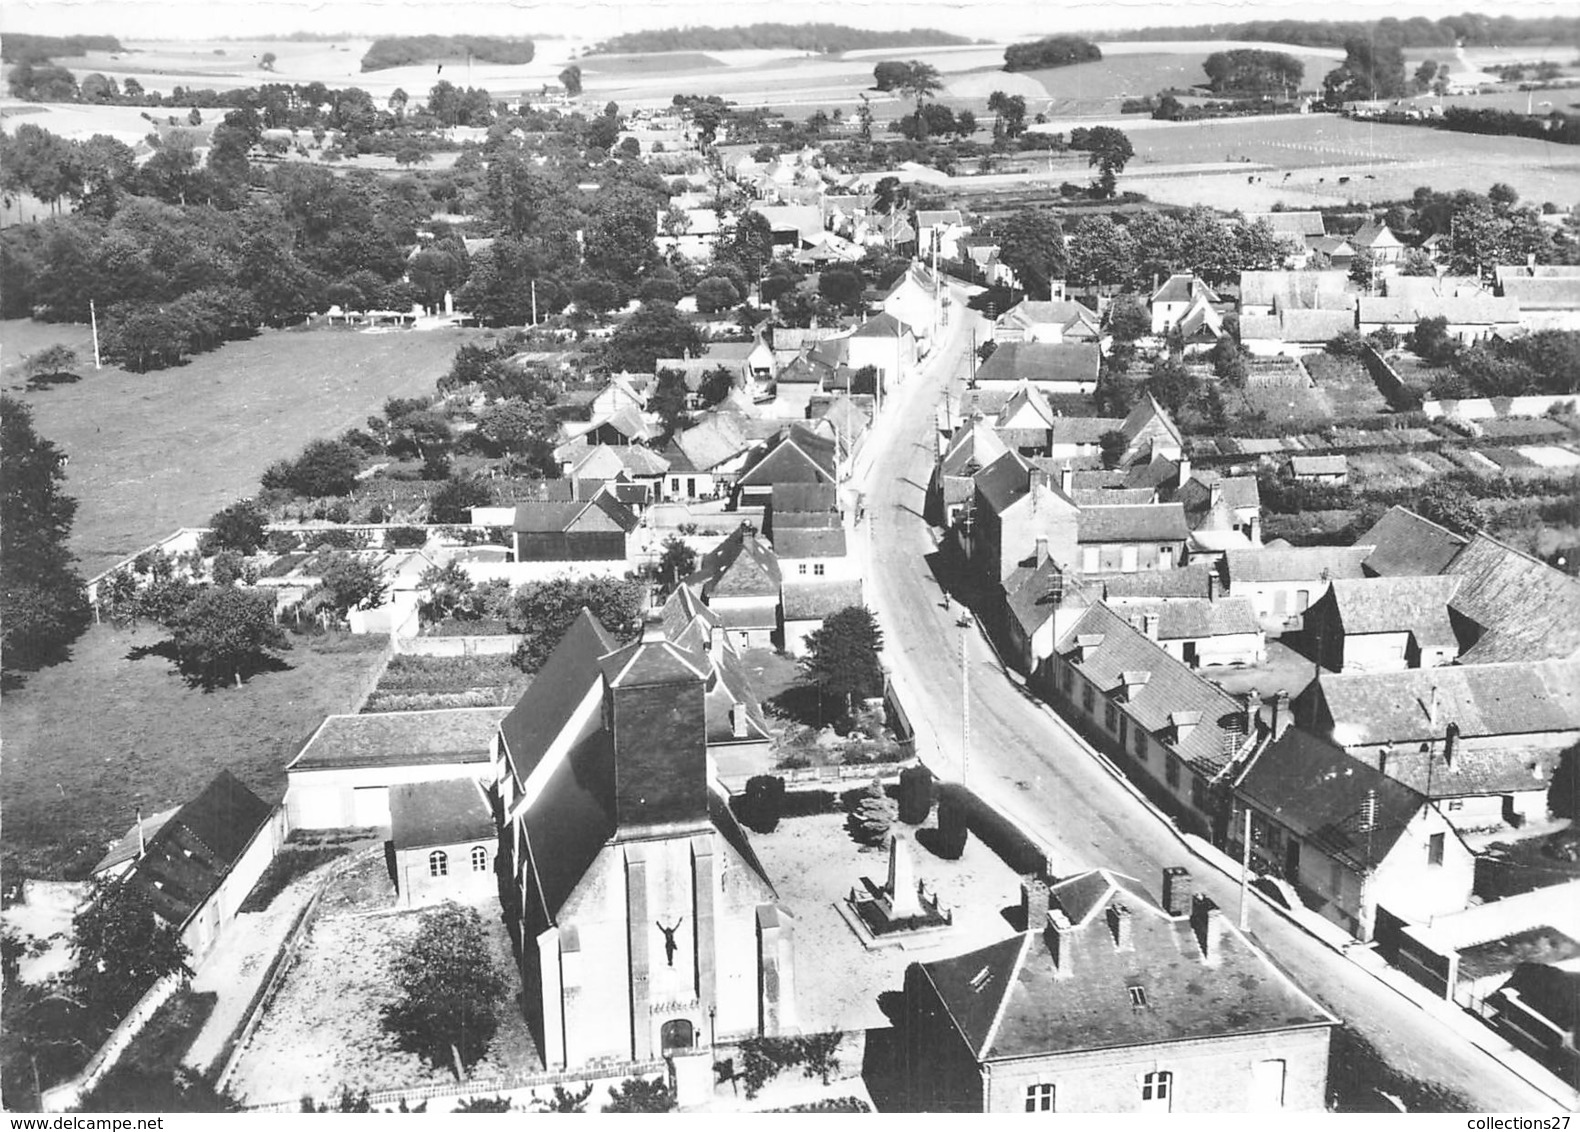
x: 1146, y: 523
x: 791, y: 497
x: 751, y: 613
x: 1319, y: 465
x: 1528, y: 609
x: 1323, y: 795
x: 1239, y: 492
x: 1003, y: 481
x: 1041, y: 362
x: 1296, y: 564
x: 1113, y: 496
x: 926, y: 218
x: 1295, y: 290
x: 1212, y: 744
x: 535, y: 517
x: 555, y: 692
x: 1408, y: 544
x: 1184, y: 582
x: 1034, y: 592
x: 1314, y: 326
x: 447, y: 812
x: 1145, y: 412
x: 401, y: 738
x: 1066, y: 314
x: 1194, y: 618
x: 1374, y: 233
x: 1544, y: 294
x: 1184, y: 288
x: 881, y: 326
x: 811, y: 601
x: 1522, y: 698
x: 740, y: 566
x: 1502, y: 770
x: 1026, y: 396
x: 1291, y: 223
x: 1081, y: 430
x: 713, y: 441
x: 1394, y: 605
x: 1009, y: 1001
x: 1483, y: 310
x: 797, y: 456
x: 973, y: 443
x: 810, y: 542
x: 684, y: 608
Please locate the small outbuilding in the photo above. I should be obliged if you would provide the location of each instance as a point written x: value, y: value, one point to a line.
x: 443, y: 841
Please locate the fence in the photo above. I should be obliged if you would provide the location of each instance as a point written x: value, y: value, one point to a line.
x: 69, y: 1094
x: 500, y: 644
x: 493, y: 1086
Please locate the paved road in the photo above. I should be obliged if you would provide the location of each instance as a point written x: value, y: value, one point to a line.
x: 1035, y: 769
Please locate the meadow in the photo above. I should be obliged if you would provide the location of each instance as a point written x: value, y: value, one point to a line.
x: 152, y: 452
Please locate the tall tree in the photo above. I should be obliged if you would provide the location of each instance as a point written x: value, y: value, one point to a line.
x: 1031, y: 244
x: 120, y: 948
x: 239, y: 527
x: 656, y: 330
x: 1110, y: 151
x: 224, y: 632
x: 842, y: 655
x: 43, y: 608
x: 543, y: 611
x: 571, y: 79
x: 450, y: 990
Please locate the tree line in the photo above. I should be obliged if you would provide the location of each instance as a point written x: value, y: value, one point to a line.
x: 408, y: 50
x: 1248, y: 70
x: 19, y: 47
x: 1471, y: 28
x: 1054, y: 51
x: 821, y: 38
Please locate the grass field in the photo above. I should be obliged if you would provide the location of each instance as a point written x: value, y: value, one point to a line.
x: 89, y: 742
x: 155, y: 451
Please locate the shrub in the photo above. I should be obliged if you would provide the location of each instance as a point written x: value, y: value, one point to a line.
x: 325, y: 468
x: 636, y: 1094
x: 334, y: 540
x: 872, y: 815
x: 953, y: 830
x: 405, y: 538
x: 762, y: 802
x: 916, y: 794
x: 1346, y: 344
x: 283, y: 542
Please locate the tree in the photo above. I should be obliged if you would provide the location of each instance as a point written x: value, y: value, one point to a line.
x: 1112, y: 444
x: 1011, y: 112
x: 1363, y: 268
x: 639, y: 1094
x: 717, y: 384
x: 890, y: 74
x: 52, y: 362
x: 842, y: 287
x: 676, y: 564
x: 266, y: 63
x: 121, y: 948
x: 325, y: 468
x: 238, y: 527
x: 453, y: 502
x: 347, y: 582
x: 450, y: 990
x: 1450, y: 505
x: 1101, y: 253
x: 749, y: 245
x: 1431, y: 341
x: 1415, y: 261
x: 571, y: 79
x: 842, y: 655
x: 42, y: 604
x: 656, y: 330
x: 1031, y: 244
x: 821, y: 1053
x: 872, y: 815
x: 543, y: 611
x: 716, y: 293
x: 1171, y: 384
x: 1128, y: 319
x: 668, y: 400
x: 224, y: 631
x: 1370, y: 71
x: 1110, y: 150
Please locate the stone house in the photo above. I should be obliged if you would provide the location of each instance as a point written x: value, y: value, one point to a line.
x: 739, y: 581
x: 443, y: 840
x: 1281, y: 582
x: 1384, y: 624
x: 591, y: 530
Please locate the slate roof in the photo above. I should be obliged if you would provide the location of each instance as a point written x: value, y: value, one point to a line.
x: 1153, y: 522
x: 813, y: 601
x: 1290, y: 223
x: 973, y: 442
x: 1319, y: 465
x: 1322, y: 794
x: 792, y: 497
x: 1298, y: 326
x: 1528, y: 609
x: 1183, y: 288
x: 1239, y: 492
x: 1112, y: 496
x: 1544, y: 293
x: 679, y: 462
x: 740, y: 566
x: 1067, y: 314
x: 683, y: 608
x: 1212, y: 744
x: 555, y: 692
x: 1041, y: 362
x: 653, y: 660
x: 129, y: 844
x: 1550, y: 991
x: 447, y: 812
x: 1030, y: 592
x: 797, y: 456
x: 193, y: 852
x: 544, y: 491
x: 534, y: 517
x: 1192, y: 618
x: 1080, y: 430
x: 1003, y: 481
x: 1144, y: 413
x: 1182, y: 582
x: 1504, y: 770
x: 1007, y: 1000
x: 804, y: 370
x: 401, y: 738
x: 1297, y: 563
x: 1405, y: 543
x: 1025, y: 396
x: 881, y: 326
x: 1480, y: 310
x: 928, y: 218
x: 1374, y: 234
x: 632, y: 458
x: 1521, y: 698
x: 713, y: 441
x: 810, y: 542
x: 1393, y: 605
x: 1295, y: 290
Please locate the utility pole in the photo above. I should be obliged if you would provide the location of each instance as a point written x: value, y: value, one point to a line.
x: 534, y: 302
x: 965, y: 704
x: 1245, y: 872
x: 93, y: 313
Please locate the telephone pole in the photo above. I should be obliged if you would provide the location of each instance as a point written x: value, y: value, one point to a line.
x: 93, y: 314
x: 965, y: 704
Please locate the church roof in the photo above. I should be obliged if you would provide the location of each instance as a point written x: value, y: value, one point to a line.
x: 555, y: 692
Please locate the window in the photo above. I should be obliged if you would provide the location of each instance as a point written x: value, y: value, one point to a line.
x: 1267, y: 1085
x: 1200, y: 795
x: 1039, y: 1098
x: 800, y: 567
x: 1124, y: 734
x: 1141, y: 745
x: 1335, y: 878
x: 1127, y: 559
x: 1089, y: 560
x: 1156, y: 1090
x: 674, y: 484
x: 438, y: 863
x: 1110, y: 716
x: 1171, y: 771
x: 1302, y: 600
x: 1434, y: 849
x: 1138, y: 996
x: 479, y: 859
x: 1087, y: 699
x: 1456, y: 804
x: 817, y: 569
x: 1067, y: 676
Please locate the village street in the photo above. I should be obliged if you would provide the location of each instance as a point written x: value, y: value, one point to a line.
x: 1028, y: 765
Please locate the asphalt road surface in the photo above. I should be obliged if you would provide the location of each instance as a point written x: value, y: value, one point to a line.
x: 1034, y: 769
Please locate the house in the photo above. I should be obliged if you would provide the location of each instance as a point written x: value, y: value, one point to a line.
x: 443, y: 840
x: 342, y: 777
x: 1404, y: 543
x: 1223, y: 512
x: 887, y: 345
x: 1336, y: 250
x: 1182, y: 295
x: 1149, y: 433
x: 1062, y: 321
x: 798, y: 455
x: 716, y: 448
x: 1415, y: 288
x: 643, y: 923
x: 802, y: 505
x: 1320, y: 469
x: 1546, y: 302
x: 974, y: 445
x: 1281, y: 583
x: 593, y: 530
x: 845, y: 416
x: 1384, y: 624
x: 1470, y: 318
x: 196, y: 864
x: 940, y: 230
x: 623, y: 426
x: 811, y: 550
x: 1110, y: 1002
x: 1124, y: 538
x: 1352, y: 842
x: 1293, y: 333
x: 1481, y: 738
x: 1176, y: 734
x: 619, y: 464
x: 739, y: 581
x: 621, y: 392
x: 1014, y: 508
x: 916, y: 299
x: 805, y: 604
x: 1299, y: 230
x: 1538, y: 1010
x: 1272, y: 292
x: 1199, y: 632
x: 693, y: 233
x: 1053, y: 367
x: 732, y: 357
x: 1377, y: 240
x: 794, y: 226
x: 735, y: 719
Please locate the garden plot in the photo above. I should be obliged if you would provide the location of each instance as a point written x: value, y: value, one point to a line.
x: 423, y: 683
x: 323, y: 1032
x: 1550, y: 456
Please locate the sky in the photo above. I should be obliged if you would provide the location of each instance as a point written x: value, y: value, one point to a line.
x: 993, y: 20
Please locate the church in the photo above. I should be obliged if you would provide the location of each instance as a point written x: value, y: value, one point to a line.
x: 644, y: 925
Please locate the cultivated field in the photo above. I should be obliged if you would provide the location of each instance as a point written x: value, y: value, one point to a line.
x: 89, y: 742
x: 156, y: 451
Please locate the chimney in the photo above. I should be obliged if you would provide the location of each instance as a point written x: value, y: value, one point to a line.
x: 1060, y: 935
x: 1253, y: 710
x: 1177, y: 891
x: 1149, y: 625
x: 1207, y: 922
x: 1281, y: 714
x: 1184, y: 470
x: 142, y: 839
x: 1450, y: 744
x: 1067, y: 479
x: 1035, y: 477
x: 738, y: 720
x: 1432, y: 707
x: 1215, y: 493
x: 715, y: 642
x: 1119, y: 926
x: 1042, y: 549
x: 1034, y: 901
x: 1212, y: 583
x: 1384, y: 753
x: 1132, y: 683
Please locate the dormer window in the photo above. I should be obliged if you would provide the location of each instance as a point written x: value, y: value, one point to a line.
x: 1138, y: 996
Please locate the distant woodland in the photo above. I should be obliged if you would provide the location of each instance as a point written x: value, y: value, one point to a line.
x: 408, y: 50
x: 825, y: 39
x: 1055, y: 51
x: 18, y: 48
x: 1471, y: 28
